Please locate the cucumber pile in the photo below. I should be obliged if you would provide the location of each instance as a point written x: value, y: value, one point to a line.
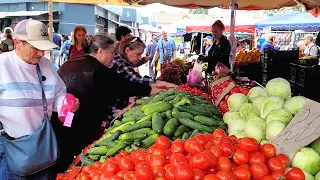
x: 173, y: 113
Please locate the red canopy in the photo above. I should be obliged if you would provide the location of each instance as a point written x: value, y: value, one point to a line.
x: 241, y: 25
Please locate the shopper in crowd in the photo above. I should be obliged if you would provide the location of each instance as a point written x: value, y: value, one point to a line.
x: 57, y: 40
x: 122, y: 33
x: 207, y: 44
x: 220, y: 50
x: 79, y: 44
x: 21, y: 112
x: 97, y: 87
x: 151, y: 50
x: 272, y: 42
x: 7, y: 43
x: 166, y: 49
x: 64, y: 51
x: 311, y: 48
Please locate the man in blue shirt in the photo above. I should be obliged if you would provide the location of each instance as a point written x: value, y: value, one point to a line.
x: 207, y: 44
x: 272, y: 42
x: 151, y: 50
x: 166, y: 48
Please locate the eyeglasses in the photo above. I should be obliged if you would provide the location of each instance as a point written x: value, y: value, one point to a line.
x: 135, y: 39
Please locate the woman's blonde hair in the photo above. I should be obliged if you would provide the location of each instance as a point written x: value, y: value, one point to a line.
x: 132, y: 43
x: 75, y: 30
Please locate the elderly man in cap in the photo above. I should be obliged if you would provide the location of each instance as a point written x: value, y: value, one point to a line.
x: 22, y: 106
x: 207, y: 44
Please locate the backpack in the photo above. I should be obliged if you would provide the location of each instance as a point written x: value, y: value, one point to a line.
x: 5, y: 47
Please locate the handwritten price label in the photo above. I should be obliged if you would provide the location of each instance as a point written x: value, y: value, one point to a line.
x: 303, y: 129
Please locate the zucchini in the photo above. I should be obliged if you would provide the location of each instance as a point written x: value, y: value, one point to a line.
x: 146, y: 118
x: 144, y: 107
x: 123, y: 127
x: 182, y: 102
x: 190, y: 123
x: 107, y: 138
x: 108, y: 143
x: 180, y: 131
x: 209, y: 121
x: 133, y: 111
x: 185, y: 136
x: 196, y: 131
x: 157, y: 123
x: 169, y: 98
x: 113, y: 151
x: 144, y: 130
x: 132, y: 136
x: 101, y: 150
x: 139, y: 125
x: 159, y: 97
x: 169, y: 114
x: 189, y: 109
x: 146, y: 143
x: 161, y: 107
x: 85, y: 161
x: 128, y: 119
x: 177, y: 115
x: 115, y: 135
x: 170, y: 127
x: 117, y: 123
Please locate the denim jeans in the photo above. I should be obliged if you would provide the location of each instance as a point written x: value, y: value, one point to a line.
x: 55, y: 55
x: 5, y: 172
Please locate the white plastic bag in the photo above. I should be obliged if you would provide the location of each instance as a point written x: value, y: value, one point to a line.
x: 195, y: 77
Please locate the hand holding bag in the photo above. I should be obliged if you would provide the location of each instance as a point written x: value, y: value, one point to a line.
x: 32, y: 153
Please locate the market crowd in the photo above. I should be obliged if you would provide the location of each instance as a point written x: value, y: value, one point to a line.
x: 36, y: 74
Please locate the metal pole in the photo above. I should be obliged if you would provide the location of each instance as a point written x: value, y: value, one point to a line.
x: 232, y: 39
x: 201, y: 48
x: 50, y: 19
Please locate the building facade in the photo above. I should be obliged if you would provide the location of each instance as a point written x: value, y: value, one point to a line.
x: 96, y: 18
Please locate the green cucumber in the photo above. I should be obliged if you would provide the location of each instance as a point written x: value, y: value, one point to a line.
x: 180, y: 131
x: 132, y: 136
x: 170, y: 127
x: 113, y: 151
x: 169, y: 114
x: 146, y: 143
x: 139, y: 125
x: 196, y: 131
x: 185, y: 136
x: 157, y: 123
x: 146, y: 118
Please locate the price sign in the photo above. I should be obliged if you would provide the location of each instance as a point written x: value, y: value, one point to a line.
x: 303, y: 129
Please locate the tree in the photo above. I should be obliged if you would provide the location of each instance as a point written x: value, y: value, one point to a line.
x: 299, y: 8
x: 199, y: 11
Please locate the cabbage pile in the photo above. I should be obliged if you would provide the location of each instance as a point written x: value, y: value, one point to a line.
x: 264, y: 113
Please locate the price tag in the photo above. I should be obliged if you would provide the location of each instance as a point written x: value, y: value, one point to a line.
x: 303, y: 129
x: 69, y: 119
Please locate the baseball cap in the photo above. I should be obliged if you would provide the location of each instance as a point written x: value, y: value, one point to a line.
x: 208, y: 37
x: 35, y: 33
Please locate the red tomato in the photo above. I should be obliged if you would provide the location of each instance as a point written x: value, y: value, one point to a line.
x: 158, y: 152
x: 170, y: 174
x: 111, y: 167
x: 216, y: 141
x: 268, y: 150
x: 183, y: 172
x: 275, y: 164
x: 159, y: 172
x: 268, y: 178
x: 211, y: 177
x: 94, y: 172
x: 223, y: 106
x: 167, y: 166
x: 227, y: 149
x: 245, y: 166
x: 295, y: 174
x: 241, y: 173
x: 226, y: 97
x: 97, y: 164
x: 163, y: 143
x: 141, y: 164
x: 219, y: 133
x: 124, y: 153
x: 200, y: 161
x: 284, y: 159
x: 235, y: 90
x: 209, y: 137
x: 144, y: 173
x: 151, y: 149
x: 117, y: 157
x: 212, y: 171
x: 257, y: 158
x: 115, y: 178
x: 176, y: 159
x: 278, y: 175
x: 212, y: 159
x: 248, y: 144
x: 217, y: 151
x: 129, y: 175
x: 83, y: 177
x: 87, y: 169
x: 201, y: 138
x: 126, y: 164
x: 193, y: 146
x: 227, y: 140
x: 240, y: 156
x: 198, y: 174
x: 226, y: 175
x: 107, y: 175
x: 178, y: 147
x: 258, y: 171
x: 157, y: 161
x: 121, y: 173
x: 224, y: 164
x: 208, y: 145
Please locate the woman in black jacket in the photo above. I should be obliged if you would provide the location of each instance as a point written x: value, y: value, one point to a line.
x: 96, y: 86
x: 220, y: 50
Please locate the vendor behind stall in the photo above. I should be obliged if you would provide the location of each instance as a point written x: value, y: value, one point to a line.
x: 311, y: 48
x: 220, y: 50
x: 272, y: 42
x: 97, y: 87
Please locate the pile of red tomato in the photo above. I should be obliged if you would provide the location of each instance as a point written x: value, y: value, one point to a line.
x: 195, y: 91
x: 223, y: 106
x: 219, y: 89
x: 203, y: 157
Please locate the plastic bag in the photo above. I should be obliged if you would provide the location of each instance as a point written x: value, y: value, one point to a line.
x: 221, y: 69
x: 65, y: 111
x: 194, y: 78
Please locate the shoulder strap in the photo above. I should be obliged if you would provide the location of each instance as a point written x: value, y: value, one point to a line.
x: 44, y: 100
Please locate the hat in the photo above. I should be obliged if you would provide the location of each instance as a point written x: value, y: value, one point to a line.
x: 207, y: 37
x: 35, y: 33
